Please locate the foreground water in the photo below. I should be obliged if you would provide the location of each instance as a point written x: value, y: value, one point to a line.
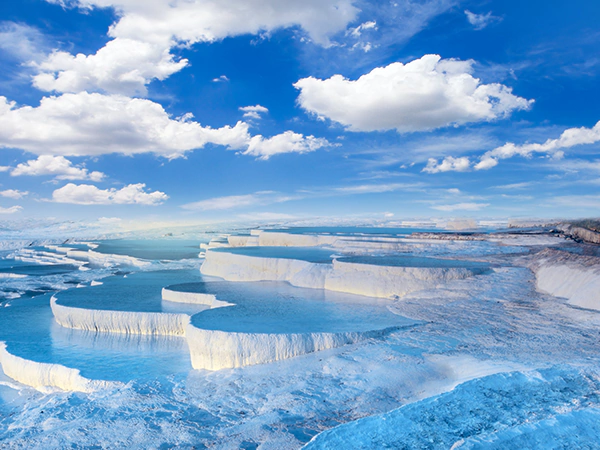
x: 481, y: 362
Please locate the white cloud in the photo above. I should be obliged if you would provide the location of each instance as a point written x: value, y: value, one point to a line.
x: 287, y: 142
x: 552, y: 147
x: 58, y: 166
x: 238, y: 201
x: 93, y: 124
x: 147, y: 31
x: 253, y: 112
x: 122, y: 66
x: 5, y: 168
x: 86, y: 194
x: 425, y: 94
x: 13, y: 193
x: 86, y: 124
x: 356, y: 32
x: 480, y: 21
x: 461, y: 207
x: 220, y: 79
x: 11, y: 210
x: 449, y: 164
x: 512, y: 186
x: 21, y: 41
x: 376, y: 188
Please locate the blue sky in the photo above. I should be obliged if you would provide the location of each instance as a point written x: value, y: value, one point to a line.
x: 261, y: 109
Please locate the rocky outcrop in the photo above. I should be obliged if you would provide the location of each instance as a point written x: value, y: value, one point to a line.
x: 580, y: 234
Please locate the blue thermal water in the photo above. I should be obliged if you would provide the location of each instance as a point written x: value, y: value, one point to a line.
x: 413, y: 261
x: 277, y: 307
x: 151, y: 249
x: 310, y: 254
x: 136, y: 291
x: 29, y: 329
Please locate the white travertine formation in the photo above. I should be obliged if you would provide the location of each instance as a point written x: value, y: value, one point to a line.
x: 42, y: 376
x: 574, y: 277
x: 242, y: 241
x: 119, y: 321
x: 106, y: 259
x: 195, y: 298
x: 388, y: 281
x: 281, y: 239
x: 215, y: 350
x: 362, y: 279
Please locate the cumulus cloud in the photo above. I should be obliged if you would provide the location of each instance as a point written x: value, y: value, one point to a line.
x: 87, y: 124
x: 86, y: 194
x: 58, y: 166
x: 147, y: 31
x: 13, y: 193
x: 287, y: 142
x: 93, y: 124
x: 238, y: 201
x: 11, y: 210
x: 480, y: 21
x: 448, y: 164
x: 552, y: 147
x: 123, y: 66
x: 425, y: 94
x: 253, y: 112
x: 461, y: 207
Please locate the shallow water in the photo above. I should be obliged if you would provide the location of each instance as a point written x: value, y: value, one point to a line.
x: 311, y: 254
x: 277, y: 307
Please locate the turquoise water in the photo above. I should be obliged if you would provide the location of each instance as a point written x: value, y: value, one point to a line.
x: 414, y: 261
x: 310, y: 254
x: 29, y: 329
x: 137, y: 291
x: 152, y: 249
x: 277, y: 307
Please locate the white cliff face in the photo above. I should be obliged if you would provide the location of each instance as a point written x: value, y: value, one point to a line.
x: 249, y: 268
x: 242, y: 241
x: 119, y: 321
x: 386, y: 282
x: 361, y: 279
x: 215, y: 350
x: 282, y: 239
x: 43, y: 376
x: 574, y: 277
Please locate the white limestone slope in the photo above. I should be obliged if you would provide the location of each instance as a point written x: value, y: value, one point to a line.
x: 106, y: 259
x: 194, y: 298
x: 130, y: 322
x: 215, y: 350
x: 362, y: 279
x: 44, y: 376
x: 574, y: 277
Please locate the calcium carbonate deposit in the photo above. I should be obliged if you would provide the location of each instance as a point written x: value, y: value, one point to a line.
x: 319, y: 337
